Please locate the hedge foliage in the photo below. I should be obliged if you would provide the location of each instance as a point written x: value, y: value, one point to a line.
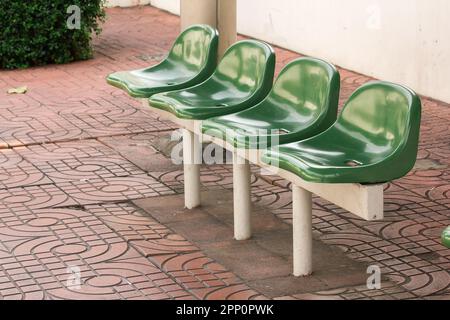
x: 35, y: 32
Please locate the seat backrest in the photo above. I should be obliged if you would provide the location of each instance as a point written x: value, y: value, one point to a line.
x: 247, y: 66
x: 196, y: 49
x: 309, y: 87
x: 386, y: 117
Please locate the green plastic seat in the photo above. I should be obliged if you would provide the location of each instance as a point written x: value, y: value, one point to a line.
x: 302, y: 103
x: 374, y: 140
x: 191, y: 60
x: 242, y: 79
x: 446, y: 237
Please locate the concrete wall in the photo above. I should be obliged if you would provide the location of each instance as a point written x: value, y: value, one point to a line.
x: 125, y: 3
x: 404, y: 41
x: 172, y: 6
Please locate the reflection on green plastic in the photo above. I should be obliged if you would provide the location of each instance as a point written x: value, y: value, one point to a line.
x: 302, y: 103
x: 191, y: 60
x: 446, y: 237
x: 374, y: 140
x: 242, y: 79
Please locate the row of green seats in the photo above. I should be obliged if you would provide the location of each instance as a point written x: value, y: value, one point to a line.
x: 373, y: 140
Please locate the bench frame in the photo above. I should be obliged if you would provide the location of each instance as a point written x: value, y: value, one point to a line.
x: 365, y: 201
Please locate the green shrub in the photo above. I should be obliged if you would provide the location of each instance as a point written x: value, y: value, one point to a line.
x: 35, y: 32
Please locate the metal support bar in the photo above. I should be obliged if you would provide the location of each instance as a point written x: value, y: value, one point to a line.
x: 241, y: 197
x: 302, y: 231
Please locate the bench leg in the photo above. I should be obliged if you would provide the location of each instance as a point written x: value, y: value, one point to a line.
x: 302, y: 230
x: 241, y: 197
x: 191, y: 164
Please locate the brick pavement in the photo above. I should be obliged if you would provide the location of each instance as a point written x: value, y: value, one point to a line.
x: 79, y: 167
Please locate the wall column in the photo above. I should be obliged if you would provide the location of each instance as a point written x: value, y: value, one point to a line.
x: 220, y: 14
x: 226, y: 24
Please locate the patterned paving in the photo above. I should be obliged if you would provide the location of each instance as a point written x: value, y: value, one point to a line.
x: 109, y: 245
x: 75, y: 153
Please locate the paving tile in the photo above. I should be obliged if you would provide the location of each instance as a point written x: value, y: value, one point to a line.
x: 79, y: 158
x: 32, y: 197
x: 107, y: 269
x: 99, y: 190
x: 43, y: 153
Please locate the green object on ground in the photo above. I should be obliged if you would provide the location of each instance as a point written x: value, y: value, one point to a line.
x: 374, y: 140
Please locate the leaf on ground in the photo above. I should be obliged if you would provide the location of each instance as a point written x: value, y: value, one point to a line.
x: 19, y: 90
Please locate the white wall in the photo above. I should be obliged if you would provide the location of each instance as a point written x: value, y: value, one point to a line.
x: 172, y: 6
x: 404, y: 41
x: 125, y: 3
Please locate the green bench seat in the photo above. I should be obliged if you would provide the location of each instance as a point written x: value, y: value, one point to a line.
x: 302, y: 103
x: 446, y: 237
x: 191, y: 60
x: 242, y: 79
x: 374, y: 140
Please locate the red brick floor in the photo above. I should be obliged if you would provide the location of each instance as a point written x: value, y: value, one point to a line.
x: 67, y: 186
